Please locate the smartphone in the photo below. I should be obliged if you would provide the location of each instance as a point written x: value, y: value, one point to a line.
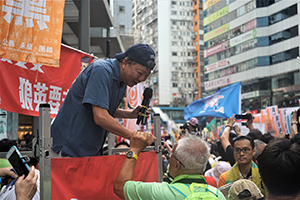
x: 17, y: 161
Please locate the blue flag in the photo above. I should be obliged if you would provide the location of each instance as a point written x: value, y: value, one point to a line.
x: 224, y: 103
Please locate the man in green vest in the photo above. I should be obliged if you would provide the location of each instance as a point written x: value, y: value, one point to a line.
x: 187, y: 163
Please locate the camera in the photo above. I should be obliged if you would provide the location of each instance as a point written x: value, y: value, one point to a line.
x: 244, y: 123
x: 246, y: 116
x: 185, y: 126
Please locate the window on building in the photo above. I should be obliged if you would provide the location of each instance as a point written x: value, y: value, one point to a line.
x: 173, y: 22
x: 174, y: 64
x: 174, y: 53
x: 173, y: 2
x: 173, y: 12
x: 174, y: 85
x: 122, y: 9
x: 174, y: 43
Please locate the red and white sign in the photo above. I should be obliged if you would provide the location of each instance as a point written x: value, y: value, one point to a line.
x: 216, y: 49
x: 24, y: 86
x: 217, y: 65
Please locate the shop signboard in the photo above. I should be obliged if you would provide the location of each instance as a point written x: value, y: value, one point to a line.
x: 216, y: 15
x: 216, y: 49
x: 220, y: 82
x: 243, y: 38
x: 209, y: 3
x: 216, y: 32
x: 217, y: 65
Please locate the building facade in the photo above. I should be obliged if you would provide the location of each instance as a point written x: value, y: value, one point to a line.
x: 256, y: 43
x: 167, y: 26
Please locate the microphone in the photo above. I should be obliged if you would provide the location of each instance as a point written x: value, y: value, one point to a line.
x: 142, y: 116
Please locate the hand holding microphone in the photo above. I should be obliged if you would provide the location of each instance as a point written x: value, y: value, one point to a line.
x: 142, y: 115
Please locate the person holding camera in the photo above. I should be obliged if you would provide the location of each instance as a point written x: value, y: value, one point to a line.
x: 193, y: 127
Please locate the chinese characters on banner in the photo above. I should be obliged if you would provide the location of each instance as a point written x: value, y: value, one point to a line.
x: 31, y: 30
x: 24, y: 86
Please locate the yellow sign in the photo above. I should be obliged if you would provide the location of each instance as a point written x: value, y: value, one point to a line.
x: 31, y: 30
x: 216, y: 15
x: 209, y: 3
x: 216, y: 32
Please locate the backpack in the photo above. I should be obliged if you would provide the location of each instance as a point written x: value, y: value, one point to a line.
x: 210, y: 192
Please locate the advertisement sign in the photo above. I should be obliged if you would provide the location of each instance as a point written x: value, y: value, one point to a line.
x: 24, y: 86
x: 216, y: 49
x: 31, y: 30
x: 243, y: 38
x: 216, y: 32
x: 217, y: 65
x: 209, y: 3
x: 216, y: 15
x: 217, y: 83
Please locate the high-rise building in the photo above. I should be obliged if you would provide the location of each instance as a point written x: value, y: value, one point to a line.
x: 199, y: 47
x: 256, y: 43
x: 167, y: 26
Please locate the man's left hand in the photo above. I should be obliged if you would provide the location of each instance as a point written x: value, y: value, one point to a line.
x: 135, y: 112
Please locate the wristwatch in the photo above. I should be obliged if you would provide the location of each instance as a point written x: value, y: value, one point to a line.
x: 131, y: 154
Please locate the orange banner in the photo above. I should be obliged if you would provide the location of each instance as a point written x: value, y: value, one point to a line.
x: 31, y: 30
x: 93, y: 177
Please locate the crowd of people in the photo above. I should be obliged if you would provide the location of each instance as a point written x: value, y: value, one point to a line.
x: 252, y: 166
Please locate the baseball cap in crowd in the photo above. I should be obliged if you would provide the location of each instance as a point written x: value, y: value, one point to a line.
x: 193, y: 121
x: 141, y: 53
x: 244, y: 189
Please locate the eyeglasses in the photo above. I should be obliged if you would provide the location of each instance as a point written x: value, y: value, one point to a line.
x: 244, y: 150
x: 177, y: 159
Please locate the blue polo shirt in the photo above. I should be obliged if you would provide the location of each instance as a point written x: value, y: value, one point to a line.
x: 74, y: 130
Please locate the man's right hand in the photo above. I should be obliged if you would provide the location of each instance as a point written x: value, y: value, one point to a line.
x: 26, y: 187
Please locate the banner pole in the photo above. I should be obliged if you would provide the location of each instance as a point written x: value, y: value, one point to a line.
x: 44, y: 151
x: 157, y: 144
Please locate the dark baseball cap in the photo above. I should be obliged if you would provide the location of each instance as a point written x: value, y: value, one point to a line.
x: 140, y: 53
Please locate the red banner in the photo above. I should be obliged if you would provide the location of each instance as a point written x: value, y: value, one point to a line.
x: 93, y: 177
x: 26, y: 85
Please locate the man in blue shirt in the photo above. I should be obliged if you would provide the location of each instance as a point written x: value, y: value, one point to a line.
x: 88, y: 112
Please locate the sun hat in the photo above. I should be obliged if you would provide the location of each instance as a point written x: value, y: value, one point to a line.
x: 244, y: 188
x: 141, y: 53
